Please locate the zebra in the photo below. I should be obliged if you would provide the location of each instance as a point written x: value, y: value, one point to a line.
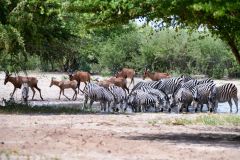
x: 202, y: 81
x: 169, y: 85
x: 152, y: 84
x: 186, y: 78
x: 222, y: 94
x: 119, y: 95
x: 183, y: 98
x: 95, y: 92
x: 200, y: 95
x: 25, y: 91
x: 140, y: 100
x: 162, y: 97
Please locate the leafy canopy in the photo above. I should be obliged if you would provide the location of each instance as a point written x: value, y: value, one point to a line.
x: 220, y: 17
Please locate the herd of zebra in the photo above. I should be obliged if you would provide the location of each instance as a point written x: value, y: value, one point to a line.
x: 163, y: 95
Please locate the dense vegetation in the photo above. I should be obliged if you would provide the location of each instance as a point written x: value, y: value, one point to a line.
x: 60, y: 35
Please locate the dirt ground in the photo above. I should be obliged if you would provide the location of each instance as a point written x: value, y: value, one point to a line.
x: 108, y: 136
x: 112, y: 137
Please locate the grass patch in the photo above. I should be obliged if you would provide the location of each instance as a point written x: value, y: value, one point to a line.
x: 18, y: 108
x: 211, y: 120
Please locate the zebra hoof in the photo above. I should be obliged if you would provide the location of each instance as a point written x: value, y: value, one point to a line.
x: 211, y: 110
x: 169, y: 110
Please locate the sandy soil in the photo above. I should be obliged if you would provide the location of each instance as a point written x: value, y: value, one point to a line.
x: 108, y: 136
x: 112, y: 137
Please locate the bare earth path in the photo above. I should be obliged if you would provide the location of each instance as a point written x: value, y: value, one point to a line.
x: 107, y: 136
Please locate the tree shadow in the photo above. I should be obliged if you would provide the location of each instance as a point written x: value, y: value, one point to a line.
x: 210, y: 139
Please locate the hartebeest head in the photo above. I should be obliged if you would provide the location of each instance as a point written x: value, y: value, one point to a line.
x: 7, y: 76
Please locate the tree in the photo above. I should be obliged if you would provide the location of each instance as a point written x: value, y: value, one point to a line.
x: 221, y: 18
x: 31, y: 27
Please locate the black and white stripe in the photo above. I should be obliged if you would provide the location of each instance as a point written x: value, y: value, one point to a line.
x: 95, y: 92
x: 141, y: 101
x: 120, y: 97
x: 152, y: 84
x: 170, y: 85
x: 163, y: 100
x: 200, y: 95
x: 25, y: 91
x: 221, y: 94
x: 183, y: 98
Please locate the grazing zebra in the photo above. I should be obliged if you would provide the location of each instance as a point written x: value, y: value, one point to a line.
x: 170, y: 85
x: 119, y: 95
x: 200, y: 95
x: 224, y: 93
x: 186, y: 78
x: 202, y: 81
x: 152, y: 84
x: 25, y: 91
x: 96, y: 93
x: 183, y: 98
x: 140, y: 100
x: 162, y: 97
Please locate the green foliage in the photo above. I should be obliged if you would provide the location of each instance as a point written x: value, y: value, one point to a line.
x: 221, y: 18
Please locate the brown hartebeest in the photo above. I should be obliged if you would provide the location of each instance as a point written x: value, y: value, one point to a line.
x: 120, y: 82
x: 127, y: 73
x: 155, y: 76
x: 64, y: 85
x: 80, y: 76
x: 19, y: 80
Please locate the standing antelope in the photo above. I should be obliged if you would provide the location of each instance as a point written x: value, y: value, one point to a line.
x: 155, y: 76
x: 127, y: 73
x: 19, y: 80
x: 80, y: 76
x: 64, y: 85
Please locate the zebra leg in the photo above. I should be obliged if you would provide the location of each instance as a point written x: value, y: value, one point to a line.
x: 85, y: 101
x: 235, y: 99
x: 201, y: 107
x: 230, y: 104
x: 91, y: 103
x: 60, y: 94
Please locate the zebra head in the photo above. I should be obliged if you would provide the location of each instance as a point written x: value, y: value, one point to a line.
x: 212, y: 98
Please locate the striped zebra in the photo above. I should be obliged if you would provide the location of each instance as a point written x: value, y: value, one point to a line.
x: 200, y: 95
x: 170, y: 85
x: 202, y: 81
x: 25, y: 91
x: 221, y: 94
x: 163, y: 100
x: 141, y: 101
x: 119, y: 95
x: 186, y: 78
x: 95, y: 92
x: 183, y: 99
x: 152, y: 84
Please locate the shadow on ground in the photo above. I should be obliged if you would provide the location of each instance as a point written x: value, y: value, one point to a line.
x: 210, y: 139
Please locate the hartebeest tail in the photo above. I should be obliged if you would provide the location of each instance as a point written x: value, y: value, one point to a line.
x: 19, y: 80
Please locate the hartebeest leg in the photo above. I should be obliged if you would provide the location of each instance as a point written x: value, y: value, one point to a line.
x: 75, y: 94
x: 132, y: 82
x: 65, y: 95
x: 60, y: 94
x: 33, y: 92
x: 13, y: 91
x: 39, y: 90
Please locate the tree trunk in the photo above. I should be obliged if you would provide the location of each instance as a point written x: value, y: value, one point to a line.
x: 234, y: 49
